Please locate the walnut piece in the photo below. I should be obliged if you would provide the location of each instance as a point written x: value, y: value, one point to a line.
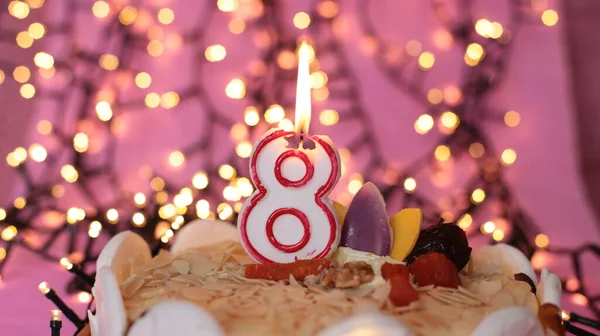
x: 350, y: 275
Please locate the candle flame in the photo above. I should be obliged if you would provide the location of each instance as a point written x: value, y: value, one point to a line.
x: 303, y: 109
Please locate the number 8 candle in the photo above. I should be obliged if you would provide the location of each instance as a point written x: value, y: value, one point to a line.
x: 290, y: 216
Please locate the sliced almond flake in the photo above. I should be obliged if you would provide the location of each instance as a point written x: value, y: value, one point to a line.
x: 425, y: 288
x: 152, y: 293
x: 465, y: 292
x: 130, y: 286
x: 195, y: 294
x: 181, y: 266
x: 201, y: 266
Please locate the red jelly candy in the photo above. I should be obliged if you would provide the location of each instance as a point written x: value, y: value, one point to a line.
x: 389, y: 270
x: 434, y: 269
x: 402, y: 293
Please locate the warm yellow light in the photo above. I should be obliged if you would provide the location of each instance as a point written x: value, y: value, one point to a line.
x: 410, y: 184
x: 477, y: 196
x: 449, y: 120
x: 169, y: 99
x: 508, y: 157
x: 465, y: 221
x: 2, y: 76
x: 152, y: 100
x: 167, y: 211
x: 512, y: 119
x: 138, y: 219
x: 286, y: 125
x: 572, y: 284
x: 426, y: 60
x: 143, y: 80
x: 65, y: 262
x: 94, y: 229
x: 579, y: 299
x: 35, y: 3
x: 44, y: 287
x: 161, y: 197
x: 498, y: 235
x: 225, y: 211
x: 140, y: 199
x: 243, y: 149
x: 488, y: 227
x: 21, y: 74
x: 47, y: 73
x: 24, y: 40
x: 235, y: 89
x: 101, y: 9
x: 157, y: 183
x: 75, y: 214
x: 475, y: 51
x: 37, y: 152
x: 9, y: 233
x: 215, y: 53
x: 424, y: 124
x: 244, y: 186
x: 236, y: 26
x: 18, y: 9
x: 301, y: 20
x: 328, y: 9
x: 303, y: 103
x: 104, y: 111
x: 274, y: 114
x: 227, y: 172
x: 155, y: 48
x: 549, y: 17
x: 542, y: 240
x: 251, y: 116
x: 2, y: 253
x: 127, y: 15
x: 20, y: 154
x: 435, y: 96
x: 176, y: 158
x: 43, y: 60
x: 57, y: 191
x: 27, y: 91
x: 2, y: 214
x: 81, y: 142
x: 496, y: 31
x: 227, y: 5
x: 202, y: 209
x: 69, y: 173
x: 452, y: 94
x: 287, y: 59
x: 321, y: 94
x: 112, y: 215
x: 238, y: 131
x: 200, y: 180
x: 167, y: 236
x: 442, y: 153
x: 413, y: 48
x: 20, y: 202
x: 108, y: 62
x: 84, y: 297
x: 356, y: 182
x: 329, y: 117
x: 36, y: 30
x: 483, y: 27
x: 166, y: 16
x: 476, y: 150
x: 231, y: 193
x: 318, y: 79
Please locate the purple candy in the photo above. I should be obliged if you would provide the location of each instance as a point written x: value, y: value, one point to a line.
x: 366, y: 226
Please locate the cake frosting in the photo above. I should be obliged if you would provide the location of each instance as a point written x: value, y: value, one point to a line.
x: 200, y: 288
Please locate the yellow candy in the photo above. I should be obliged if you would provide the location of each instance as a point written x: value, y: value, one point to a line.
x: 340, y: 211
x: 406, y: 225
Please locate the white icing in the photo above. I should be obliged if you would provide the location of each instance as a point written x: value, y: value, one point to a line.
x: 203, y: 232
x: 110, y: 318
x: 345, y: 254
x: 512, y: 321
x: 301, y: 198
x: 371, y: 324
x: 549, y: 289
x: 176, y: 318
x: 121, y: 252
x: 509, y: 258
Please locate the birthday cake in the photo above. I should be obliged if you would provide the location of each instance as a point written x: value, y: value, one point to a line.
x: 386, y: 277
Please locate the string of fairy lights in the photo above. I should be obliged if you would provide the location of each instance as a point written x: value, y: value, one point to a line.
x: 73, y: 162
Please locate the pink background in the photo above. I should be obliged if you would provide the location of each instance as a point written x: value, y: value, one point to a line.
x: 544, y: 177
